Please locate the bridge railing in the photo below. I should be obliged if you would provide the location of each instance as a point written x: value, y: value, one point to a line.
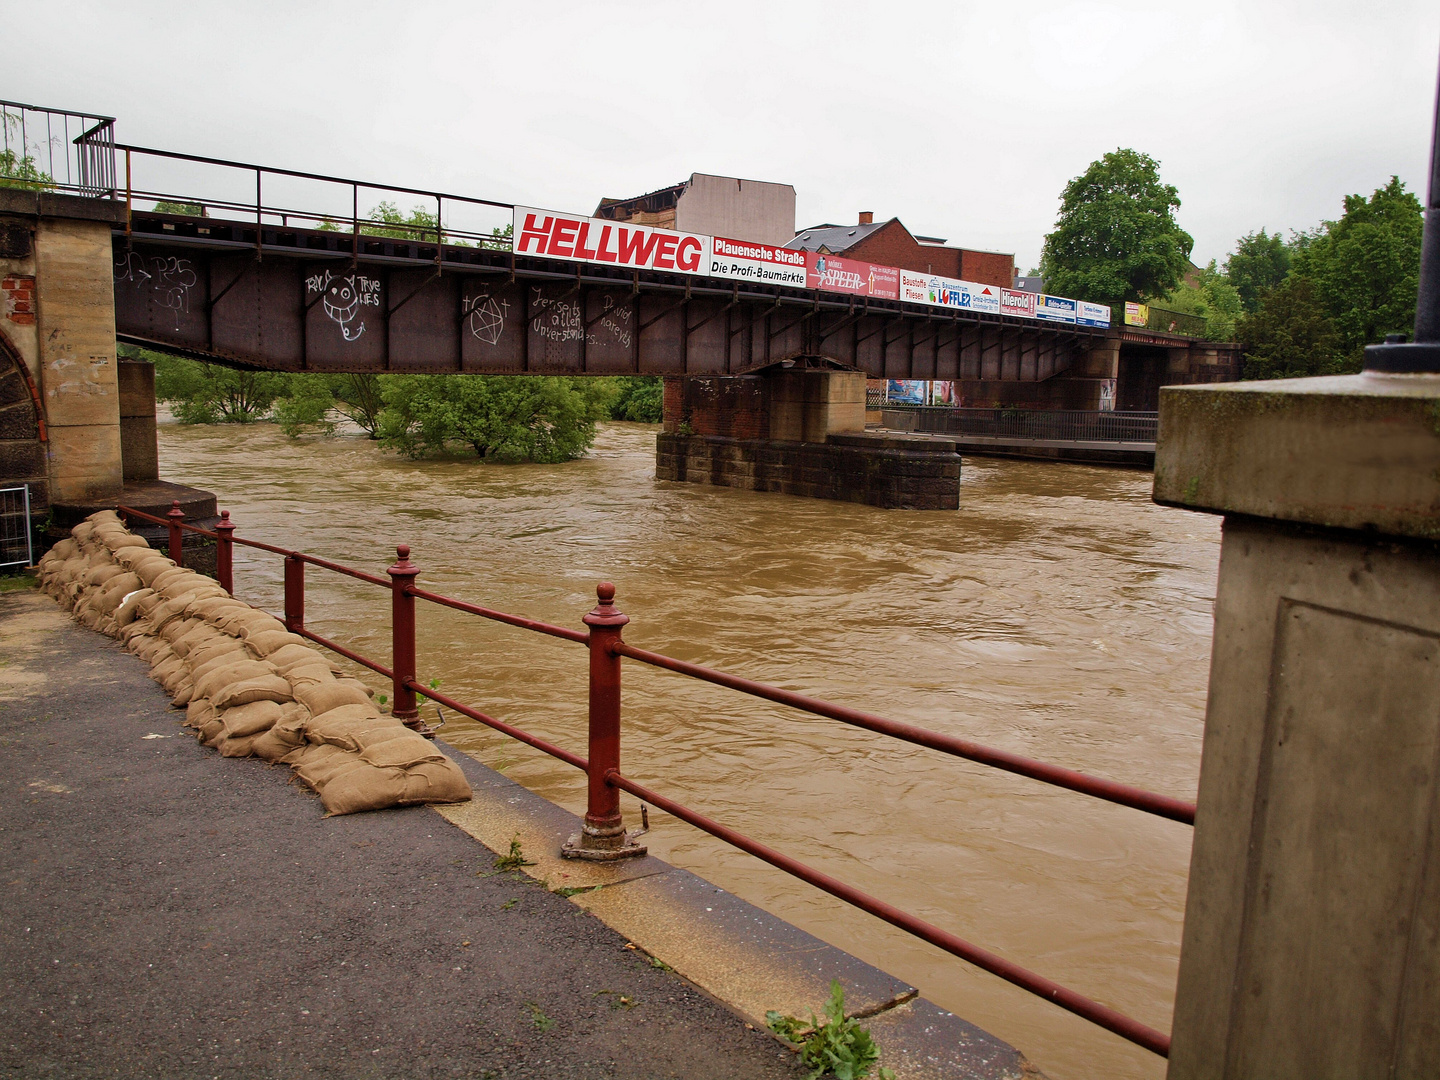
x: 54, y: 150
x: 306, y: 200
x: 606, y: 650
x: 1067, y: 425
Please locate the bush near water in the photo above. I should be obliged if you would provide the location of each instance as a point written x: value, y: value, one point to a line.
x: 248, y: 685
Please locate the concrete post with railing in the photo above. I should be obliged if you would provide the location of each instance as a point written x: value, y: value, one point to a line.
x: 1312, y: 927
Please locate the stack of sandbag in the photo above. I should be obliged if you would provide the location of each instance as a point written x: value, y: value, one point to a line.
x: 249, y: 686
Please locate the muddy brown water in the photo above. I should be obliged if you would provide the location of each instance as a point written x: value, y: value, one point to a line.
x: 1059, y: 614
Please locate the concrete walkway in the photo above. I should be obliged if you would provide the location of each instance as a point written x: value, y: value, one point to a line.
x: 167, y: 913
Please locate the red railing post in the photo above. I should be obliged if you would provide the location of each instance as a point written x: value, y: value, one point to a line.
x: 177, y: 538
x: 225, y: 552
x: 402, y: 637
x: 294, y: 593
x: 603, y: 836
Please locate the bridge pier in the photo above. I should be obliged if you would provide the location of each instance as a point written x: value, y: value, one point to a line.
x: 73, y: 425
x: 1312, y: 928
x: 798, y: 428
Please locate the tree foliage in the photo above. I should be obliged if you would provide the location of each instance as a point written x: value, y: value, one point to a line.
x: 1351, y: 282
x: 200, y: 393
x: 1213, y: 298
x: 638, y: 397
x: 1116, y: 238
x: 501, y: 417
x: 1259, y: 262
x: 314, y: 400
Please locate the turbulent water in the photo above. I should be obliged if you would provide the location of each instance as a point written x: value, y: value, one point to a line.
x: 1059, y: 613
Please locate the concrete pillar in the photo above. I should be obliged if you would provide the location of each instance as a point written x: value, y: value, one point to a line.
x: 1311, y: 945
x: 139, y: 448
x: 808, y: 405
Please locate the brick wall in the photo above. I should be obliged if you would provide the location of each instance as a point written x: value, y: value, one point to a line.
x: 727, y: 406
x: 892, y: 245
x: 988, y: 268
x: 19, y: 299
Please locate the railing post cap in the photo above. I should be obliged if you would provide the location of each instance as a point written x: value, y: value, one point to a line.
x: 225, y: 522
x: 403, y: 566
x: 605, y: 613
x: 175, y: 510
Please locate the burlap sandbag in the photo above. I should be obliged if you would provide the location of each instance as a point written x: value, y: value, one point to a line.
x: 150, y: 569
x: 230, y: 746
x: 116, y: 589
x: 359, y: 787
x: 258, y: 688
x: 172, y: 630
x: 182, y: 693
x: 170, y: 575
x: 322, y: 697
x: 64, y: 549
x: 404, y: 749
x: 246, y: 720
x: 309, y: 675
x: 211, y: 732
x: 346, y: 725
x: 124, y: 541
x: 199, y: 713
x: 139, y: 640
x: 199, y: 634
x: 265, y: 642
x: 248, y: 621
x: 211, y: 608
x: 314, y: 763
x: 99, y: 574
x: 164, y: 670
x: 217, y: 649
x: 83, y: 531
x: 436, y: 782
x: 293, y: 656
x: 212, y: 676
x: 287, y: 736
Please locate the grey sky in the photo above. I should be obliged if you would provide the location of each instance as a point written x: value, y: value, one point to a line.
x: 963, y: 119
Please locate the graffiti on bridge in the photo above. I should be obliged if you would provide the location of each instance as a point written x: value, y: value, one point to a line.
x: 343, y: 295
x: 169, y: 279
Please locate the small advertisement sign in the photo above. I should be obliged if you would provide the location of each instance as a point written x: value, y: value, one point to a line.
x: 1088, y: 314
x: 914, y: 288
x: 747, y: 260
x: 906, y: 391
x: 1054, y: 309
x: 1017, y: 303
x: 1136, y: 314
x: 834, y: 274
x: 547, y: 234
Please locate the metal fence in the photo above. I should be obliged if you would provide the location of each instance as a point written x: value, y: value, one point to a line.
x: 17, y: 537
x: 1070, y: 425
x: 54, y: 150
x: 1162, y: 320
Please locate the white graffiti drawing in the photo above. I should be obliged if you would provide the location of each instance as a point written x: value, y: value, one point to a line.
x: 557, y: 320
x: 487, y: 317
x: 170, y: 279
x: 343, y: 296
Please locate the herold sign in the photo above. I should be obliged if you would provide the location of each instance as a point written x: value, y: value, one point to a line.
x: 850, y: 276
x: 549, y: 235
x: 747, y: 260
x: 1017, y: 303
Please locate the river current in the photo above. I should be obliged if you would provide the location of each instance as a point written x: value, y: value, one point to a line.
x: 1059, y: 614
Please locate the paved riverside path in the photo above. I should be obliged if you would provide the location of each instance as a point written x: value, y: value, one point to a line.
x: 166, y: 912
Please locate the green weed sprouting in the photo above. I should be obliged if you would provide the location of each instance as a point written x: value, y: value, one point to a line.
x: 515, y: 860
x: 834, y: 1045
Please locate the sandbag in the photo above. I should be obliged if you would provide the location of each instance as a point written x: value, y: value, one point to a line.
x: 63, y: 549
x: 293, y: 656
x: 98, y: 575
x: 265, y: 642
x: 116, y: 589
x: 183, y: 691
x: 360, y: 787
x: 436, y: 782
x: 258, y: 688
x: 248, y: 620
x: 230, y: 746
x: 321, y: 697
x: 311, y: 674
x: 211, y: 607
x: 171, y: 575
x: 212, y: 676
x: 200, y: 633
x: 211, y: 732
x: 314, y: 764
x: 221, y: 646
x: 287, y: 736
x: 164, y: 669
x: 199, y: 713
x: 150, y: 570
x: 346, y: 726
x: 172, y: 630
x: 404, y: 749
x: 252, y: 719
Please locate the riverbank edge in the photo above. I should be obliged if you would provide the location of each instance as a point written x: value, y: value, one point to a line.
x: 742, y: 956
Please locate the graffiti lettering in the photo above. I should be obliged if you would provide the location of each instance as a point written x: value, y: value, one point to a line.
x: 169, y: 279
x: 343, y: 295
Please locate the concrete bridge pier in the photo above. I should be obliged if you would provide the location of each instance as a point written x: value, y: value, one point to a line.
x: 73, y: 425
x: 798, y: 427
x: 1311, y: 945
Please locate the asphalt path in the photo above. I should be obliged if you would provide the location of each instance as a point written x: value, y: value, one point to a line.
x: 165, y: 912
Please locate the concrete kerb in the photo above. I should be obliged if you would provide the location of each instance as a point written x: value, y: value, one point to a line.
x: 742, y: 956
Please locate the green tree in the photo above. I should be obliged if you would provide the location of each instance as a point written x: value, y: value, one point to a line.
x: 1351, y: 282
x: 314, y: 399
x: 17, y: 166
x: 1258, y: 263
x: 1116, y: 238
x: 200, y: 393
x: 190, y: 209
x: 1213, y: 299
x: 501, y: 417
x: 638, y: 397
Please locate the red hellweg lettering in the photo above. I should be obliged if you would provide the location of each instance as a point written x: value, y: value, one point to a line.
x: 562, y: 233
x: 635, y: 250
x: 531, y: 232
x: 688, y: 257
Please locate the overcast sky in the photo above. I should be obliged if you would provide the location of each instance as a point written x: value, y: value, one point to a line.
x: 965, y: 120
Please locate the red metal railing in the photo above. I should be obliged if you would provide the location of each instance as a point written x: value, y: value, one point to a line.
x: 602, y: 766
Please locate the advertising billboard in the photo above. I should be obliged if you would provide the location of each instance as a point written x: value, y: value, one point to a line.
x: 1017, y: 303
x: 1136, y: 314
x: 746, y: 260
x: 1054, y: 308
x: 1088, y: 314
x: 906, y: 391
x: 547, y: 234
x: 949, y: 292
x: 834, y: 274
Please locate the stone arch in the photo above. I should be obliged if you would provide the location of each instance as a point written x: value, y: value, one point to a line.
x: 22, y: 430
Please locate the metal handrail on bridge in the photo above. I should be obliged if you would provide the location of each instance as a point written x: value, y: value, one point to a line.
x: 602, y: 765
x: 83, y: 163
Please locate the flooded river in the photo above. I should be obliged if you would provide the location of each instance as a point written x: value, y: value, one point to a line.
x: 1059, y: 614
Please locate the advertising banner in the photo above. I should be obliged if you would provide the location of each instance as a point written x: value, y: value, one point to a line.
x: 834, y: 274
x: 1054, y: 309
x: 1017, y: 303
x: 914, y: 288
x: 1136, y: 314
x: 1088, y: 314
x: 906, y: 391
x: 747, y: 260
x: 948, y: 292
x: 548, y: 234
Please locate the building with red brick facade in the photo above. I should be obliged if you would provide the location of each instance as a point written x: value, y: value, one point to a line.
x: 890, y: 243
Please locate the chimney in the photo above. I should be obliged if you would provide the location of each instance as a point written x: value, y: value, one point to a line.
x: 867, y: 217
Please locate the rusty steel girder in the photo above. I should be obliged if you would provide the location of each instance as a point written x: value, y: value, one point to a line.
x: 311, y: 300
